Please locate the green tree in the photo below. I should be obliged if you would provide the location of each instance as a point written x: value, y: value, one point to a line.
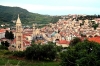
x: 74, y: 41
x: 33, y: 52
x: 7, y: 34
x: 41, y: 52
x: 49, y: 51
x: 85, y: 53
x: 95, y: 26
x: 11, y: 35
x: 3, y: 47
x: 5, y: 43
x: 19, y: 54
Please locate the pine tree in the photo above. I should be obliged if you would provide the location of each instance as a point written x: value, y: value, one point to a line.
x: 7, y: 34
x: 11, y: 35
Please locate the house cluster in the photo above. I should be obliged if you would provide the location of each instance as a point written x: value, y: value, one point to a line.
x: 60, y: 33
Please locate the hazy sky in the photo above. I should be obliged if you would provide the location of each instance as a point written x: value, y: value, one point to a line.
x: 56, y: 7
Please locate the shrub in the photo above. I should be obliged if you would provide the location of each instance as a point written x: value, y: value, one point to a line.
x: 19, y: 53
x: 3, y: 47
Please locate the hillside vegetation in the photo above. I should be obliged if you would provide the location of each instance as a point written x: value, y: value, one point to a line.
x: 9, y: 14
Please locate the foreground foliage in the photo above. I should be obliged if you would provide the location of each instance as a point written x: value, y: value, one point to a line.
x: 12, y: 62
x: 85, y: 53
x: 48, y: 52
x: 6, y: 59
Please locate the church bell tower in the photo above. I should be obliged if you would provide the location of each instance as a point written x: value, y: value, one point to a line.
x: 19, y: 35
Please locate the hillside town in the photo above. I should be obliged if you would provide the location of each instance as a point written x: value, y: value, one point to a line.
x: 60, y: 33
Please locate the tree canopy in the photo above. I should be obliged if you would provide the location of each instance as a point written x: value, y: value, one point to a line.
x: 85, y: 53
x: 75, y: 41
x: 9, y: 35
x: 40, y: 52
x: 47, y: 52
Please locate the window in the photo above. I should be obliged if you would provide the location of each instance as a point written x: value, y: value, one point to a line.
x: 19, y: 38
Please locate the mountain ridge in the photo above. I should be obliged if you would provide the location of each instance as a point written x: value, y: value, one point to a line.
x: 9, y: 14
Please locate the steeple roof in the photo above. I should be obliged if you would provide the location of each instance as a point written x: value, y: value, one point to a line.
x: 18, y: 19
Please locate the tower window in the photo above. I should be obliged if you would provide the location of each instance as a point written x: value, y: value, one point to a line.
x: 19, y: 38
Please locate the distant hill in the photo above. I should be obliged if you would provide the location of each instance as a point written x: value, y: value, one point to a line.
x: 8, y: 15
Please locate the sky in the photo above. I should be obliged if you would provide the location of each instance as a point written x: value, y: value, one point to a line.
x: 56, y: 7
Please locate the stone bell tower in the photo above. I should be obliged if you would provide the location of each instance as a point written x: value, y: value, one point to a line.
x: 34, y: 30
x: 19, y: 35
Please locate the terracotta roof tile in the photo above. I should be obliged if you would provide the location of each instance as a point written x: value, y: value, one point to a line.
x: 95, y: 39
x: 63, y: 42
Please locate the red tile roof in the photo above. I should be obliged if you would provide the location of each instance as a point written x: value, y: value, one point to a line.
x: 2, y: 30
x: 25, y: 42
x: 63, y: 42
x: 95, y: 39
